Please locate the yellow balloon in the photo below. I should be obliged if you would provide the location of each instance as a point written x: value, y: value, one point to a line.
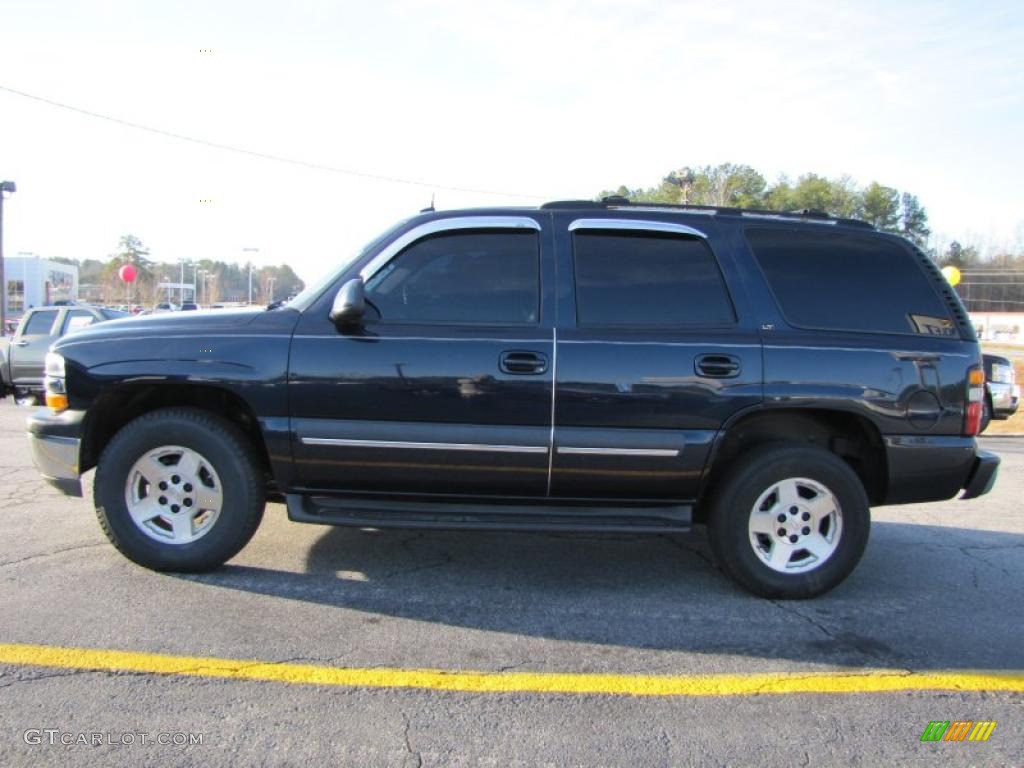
x: 952, y: 275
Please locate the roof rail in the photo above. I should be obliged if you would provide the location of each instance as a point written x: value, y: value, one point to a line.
x: 618, y: 201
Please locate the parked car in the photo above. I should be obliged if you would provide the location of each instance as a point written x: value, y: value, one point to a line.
x: 188, y: 306
x: 582, y: 366
x: 21, y: 356
x: 1002, y: 393
x: 164, y: 307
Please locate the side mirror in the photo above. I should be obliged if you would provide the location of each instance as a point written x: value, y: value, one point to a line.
x: 349, y: 304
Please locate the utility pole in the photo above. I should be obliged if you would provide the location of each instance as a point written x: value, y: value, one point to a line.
x: 684, y: 178
x: 8, y: 187
x: 250, y: 250
x: 271, y: 280
x: 201, y: 273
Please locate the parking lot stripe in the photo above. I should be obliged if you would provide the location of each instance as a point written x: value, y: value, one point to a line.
x: 840, y: 681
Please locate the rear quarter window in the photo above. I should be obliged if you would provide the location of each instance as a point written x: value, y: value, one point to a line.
x: 848, y: 282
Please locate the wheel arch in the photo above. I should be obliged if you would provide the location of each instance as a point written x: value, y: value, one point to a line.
x: 125, y: 403
x: 850, y: 436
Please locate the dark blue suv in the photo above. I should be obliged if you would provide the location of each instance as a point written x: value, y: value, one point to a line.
x: 581, y: 366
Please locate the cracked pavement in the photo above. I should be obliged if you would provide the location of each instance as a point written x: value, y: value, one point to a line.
x: 939, y: 588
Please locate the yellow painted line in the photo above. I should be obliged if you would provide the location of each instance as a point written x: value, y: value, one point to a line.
x: 845, y: 681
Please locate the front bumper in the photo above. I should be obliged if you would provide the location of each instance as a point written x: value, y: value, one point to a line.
x: 54, y: 440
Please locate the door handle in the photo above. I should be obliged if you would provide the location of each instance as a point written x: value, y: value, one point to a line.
x: 717, y: 366
x: 19, y: 343
x: 523, y: 362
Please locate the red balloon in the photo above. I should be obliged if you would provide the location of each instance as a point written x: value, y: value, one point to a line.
x: 128, y: 273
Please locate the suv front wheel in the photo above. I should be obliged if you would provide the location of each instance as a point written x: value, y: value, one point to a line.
x: 788, y: 521
x: 179, y: 489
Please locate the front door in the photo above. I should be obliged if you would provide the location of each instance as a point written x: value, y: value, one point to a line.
x: 653, y: 358
x: 28, y: 350
x: 446, y: 388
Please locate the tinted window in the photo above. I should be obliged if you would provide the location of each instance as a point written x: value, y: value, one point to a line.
x: 40, y: 323
x: 647, y: 279
x: 77, y: 318
x: 470, y: 276
x: 846, y: 282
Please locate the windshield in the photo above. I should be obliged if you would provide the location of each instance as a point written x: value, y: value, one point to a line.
x: 312, y: 292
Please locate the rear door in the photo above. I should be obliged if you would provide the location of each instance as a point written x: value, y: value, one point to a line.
x: 654, y: 354
x: 28, y: 349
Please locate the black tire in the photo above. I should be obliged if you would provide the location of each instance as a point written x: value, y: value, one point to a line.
x: 234, y: 461
x: 753, y: 474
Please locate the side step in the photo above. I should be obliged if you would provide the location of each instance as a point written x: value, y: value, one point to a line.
x: 443, y: 515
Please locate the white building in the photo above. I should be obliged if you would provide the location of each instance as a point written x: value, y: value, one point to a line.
x: 999, y: 326
x: 35, y: 282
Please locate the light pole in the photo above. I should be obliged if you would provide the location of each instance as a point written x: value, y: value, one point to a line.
x: 181, y: 281
x: 201, y: 273
x: 6, y: 187
x: 250, y: 250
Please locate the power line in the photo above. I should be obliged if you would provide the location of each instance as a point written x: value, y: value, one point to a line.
x: 267, y: 155
x: 987, y: 272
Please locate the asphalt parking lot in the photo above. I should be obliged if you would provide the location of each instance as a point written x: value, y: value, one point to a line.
x: 940, y: 589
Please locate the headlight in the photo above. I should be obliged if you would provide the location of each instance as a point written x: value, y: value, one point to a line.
x: 54, y: 365
x: 53, y: 382
x: 1002, y: 374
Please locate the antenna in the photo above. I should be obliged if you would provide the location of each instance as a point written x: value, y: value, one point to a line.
x: 429, y: 208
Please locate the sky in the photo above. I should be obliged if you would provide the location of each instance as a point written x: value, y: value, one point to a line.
x: 533, y: 101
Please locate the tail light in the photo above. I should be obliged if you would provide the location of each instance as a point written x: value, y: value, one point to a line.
x: 975, y: 401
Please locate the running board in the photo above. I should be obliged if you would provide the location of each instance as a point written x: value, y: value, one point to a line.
x: 375, y: 513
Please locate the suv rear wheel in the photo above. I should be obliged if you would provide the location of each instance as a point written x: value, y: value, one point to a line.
x: 178, y: 490
x: 789, y: 521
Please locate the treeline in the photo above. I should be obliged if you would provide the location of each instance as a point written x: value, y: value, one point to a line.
x: 216, y: 281
x: 989, y: 284
x: 730, y: 185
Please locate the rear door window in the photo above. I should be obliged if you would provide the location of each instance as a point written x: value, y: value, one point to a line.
x: 848, y: 282
x: 647, y: 279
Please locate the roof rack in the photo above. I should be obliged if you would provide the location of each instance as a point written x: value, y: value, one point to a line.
x: 617, y: 201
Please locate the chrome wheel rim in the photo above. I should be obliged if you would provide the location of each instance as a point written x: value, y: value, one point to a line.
x: 795, y: 525
x: 173, y: 494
